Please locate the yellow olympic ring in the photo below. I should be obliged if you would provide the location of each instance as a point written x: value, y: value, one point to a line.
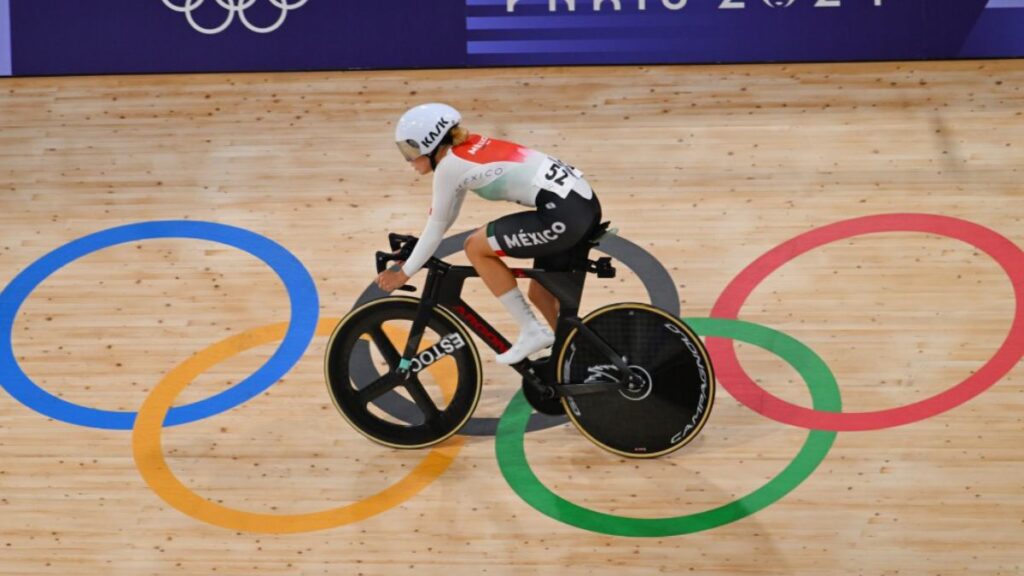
x: 149, y: 458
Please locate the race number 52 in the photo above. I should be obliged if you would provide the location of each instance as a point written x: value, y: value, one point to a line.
x: 557, y: 176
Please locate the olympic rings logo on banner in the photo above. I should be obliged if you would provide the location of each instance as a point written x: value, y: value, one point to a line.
x: 235, y: 8
x: 823, y: 421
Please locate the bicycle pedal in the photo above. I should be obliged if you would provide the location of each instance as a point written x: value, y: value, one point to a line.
x: 550, y: 406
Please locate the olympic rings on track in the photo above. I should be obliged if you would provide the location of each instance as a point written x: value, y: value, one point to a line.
x: 302, y: 294
x: 149, y: 459
x: 825, y: 396
x: 744, y: 389
x: 823, y: 420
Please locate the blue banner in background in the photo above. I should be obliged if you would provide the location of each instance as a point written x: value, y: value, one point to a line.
x: 657, y: 31
x: 128, y: 36
x: 5, y: 38
x: 998, y: 32
x: 153, y: 36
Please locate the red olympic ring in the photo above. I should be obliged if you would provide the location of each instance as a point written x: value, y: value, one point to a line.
x: 745, y: 390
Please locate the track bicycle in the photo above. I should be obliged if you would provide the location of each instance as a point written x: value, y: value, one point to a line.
x: 634, y: 379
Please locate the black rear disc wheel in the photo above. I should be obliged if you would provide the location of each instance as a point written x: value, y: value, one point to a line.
x: 673, y: 387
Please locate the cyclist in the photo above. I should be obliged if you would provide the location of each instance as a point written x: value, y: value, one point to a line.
x: 564, y: 210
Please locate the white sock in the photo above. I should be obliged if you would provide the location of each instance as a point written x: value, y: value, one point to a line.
x: 516, y: 305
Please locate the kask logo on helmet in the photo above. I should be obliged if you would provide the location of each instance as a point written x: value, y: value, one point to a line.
x: 440, y: 129
x: 421, y: 128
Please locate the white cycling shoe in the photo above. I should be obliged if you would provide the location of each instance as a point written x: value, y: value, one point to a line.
x: 533, y: 339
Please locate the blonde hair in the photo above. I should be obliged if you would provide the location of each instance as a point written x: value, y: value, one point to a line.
x: 459, y: 135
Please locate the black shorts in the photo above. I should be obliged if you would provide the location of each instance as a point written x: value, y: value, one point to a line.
x: 548, y: 233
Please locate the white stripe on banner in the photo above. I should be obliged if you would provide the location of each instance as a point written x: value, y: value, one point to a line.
x: 5, y: 38
x: 1005, y: 4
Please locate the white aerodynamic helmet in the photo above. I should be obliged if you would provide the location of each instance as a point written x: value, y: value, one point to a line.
x: 424, y: 128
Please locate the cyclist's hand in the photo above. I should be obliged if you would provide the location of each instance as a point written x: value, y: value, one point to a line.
x: 389, y: 280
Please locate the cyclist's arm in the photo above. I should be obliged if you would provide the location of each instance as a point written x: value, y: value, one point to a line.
x: 444, y: 210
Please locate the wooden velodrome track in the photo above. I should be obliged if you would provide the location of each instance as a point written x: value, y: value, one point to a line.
x: 706, y: 168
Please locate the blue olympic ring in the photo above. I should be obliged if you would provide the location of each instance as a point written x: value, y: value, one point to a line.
x: 302, y: 293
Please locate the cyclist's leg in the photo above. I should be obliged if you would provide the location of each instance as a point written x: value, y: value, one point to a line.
x: 499, y: 279
x: 545, y: 301
x: 522, y: 235
x: 485, y: 256
x: 547, y: 235
x: 582, y: 215
x: 494, y: 272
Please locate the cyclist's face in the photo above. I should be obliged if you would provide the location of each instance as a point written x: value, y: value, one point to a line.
x: 421, y: 165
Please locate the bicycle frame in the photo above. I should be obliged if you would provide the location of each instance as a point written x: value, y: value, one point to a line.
x: 612, y: 384
x: 444, y: 286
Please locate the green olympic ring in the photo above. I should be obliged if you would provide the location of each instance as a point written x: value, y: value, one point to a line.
x: 825, y: 396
